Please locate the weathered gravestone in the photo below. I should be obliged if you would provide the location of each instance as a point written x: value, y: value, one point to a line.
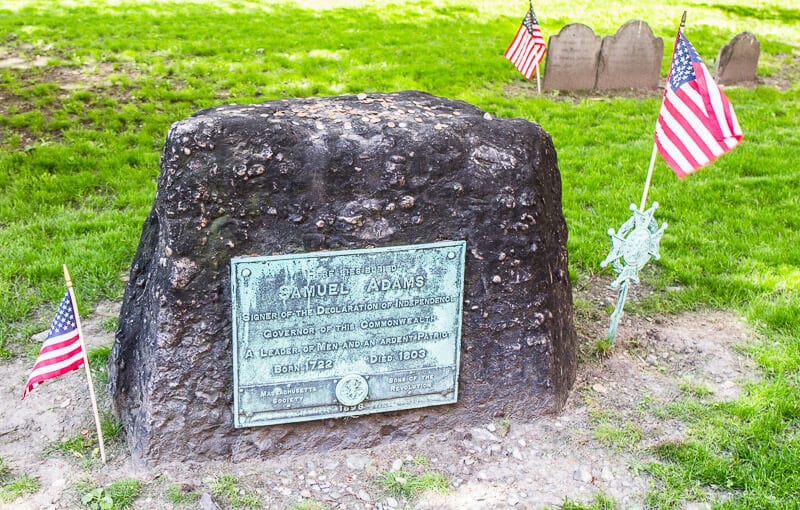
x: 572, y: 58
x: 738, y: 60
x: 310, y: 175
x: 630, y: 59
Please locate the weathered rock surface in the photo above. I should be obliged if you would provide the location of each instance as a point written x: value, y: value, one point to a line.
x: 338, y: 173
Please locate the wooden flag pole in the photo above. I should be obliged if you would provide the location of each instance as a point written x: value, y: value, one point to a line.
x: 655, y: 148
x: 86, y: 365
x: 538, y: 82
x: 649, y: 177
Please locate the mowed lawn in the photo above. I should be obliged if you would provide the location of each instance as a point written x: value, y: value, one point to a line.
x: 89, y: 89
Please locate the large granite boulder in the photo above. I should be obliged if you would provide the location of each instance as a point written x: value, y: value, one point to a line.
x: 314, y: 174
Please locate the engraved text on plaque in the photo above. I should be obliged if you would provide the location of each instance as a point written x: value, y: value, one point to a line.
x: 342, y: 333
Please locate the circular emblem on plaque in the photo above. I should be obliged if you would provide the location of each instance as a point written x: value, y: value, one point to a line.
x: 352, y: 390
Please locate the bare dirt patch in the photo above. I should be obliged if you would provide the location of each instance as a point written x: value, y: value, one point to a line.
x: 596, y: 445
x: 24, y: 93
x: 30, y: 71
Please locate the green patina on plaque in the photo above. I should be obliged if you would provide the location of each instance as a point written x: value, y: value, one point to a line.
x: 343, y: 333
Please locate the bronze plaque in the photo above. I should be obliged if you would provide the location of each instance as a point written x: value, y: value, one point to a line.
x: 343, y: 333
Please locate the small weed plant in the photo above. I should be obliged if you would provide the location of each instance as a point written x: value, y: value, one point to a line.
x: 227, y: 488
x: 98, y: 362
x: 410, y: 484
x: 309, y: 504
x: 79, y: 445
x: 613, y: 429
x: 177, y: 495
x: 503, y: 427
x: 97, y: 499
x: 13, y: 487
x: 119, y: 495
x: 602, y: 347
x: 695, y: 390
x: 620, y: 436
x: 600, y: 502
x: 110, y: 325
x: 110, y: 426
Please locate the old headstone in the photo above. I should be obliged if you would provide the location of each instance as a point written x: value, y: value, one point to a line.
x: 738, y: 60
x: 311, y: 177
x: 572, y: 58
x: 630, y: 59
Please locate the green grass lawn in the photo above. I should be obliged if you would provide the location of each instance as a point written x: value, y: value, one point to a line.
x: 81, y: 133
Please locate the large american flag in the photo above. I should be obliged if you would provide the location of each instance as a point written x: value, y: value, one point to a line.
x: 62, y: 351
x: 696, y: 124
x: 528, y: 48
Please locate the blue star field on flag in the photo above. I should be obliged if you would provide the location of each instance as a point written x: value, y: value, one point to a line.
x: 530, y: 21
x: 683, y: 63
x: 64, y: 320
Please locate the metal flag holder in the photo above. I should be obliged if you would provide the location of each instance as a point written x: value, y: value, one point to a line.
x: 715, y: 130
x: 632, y: 247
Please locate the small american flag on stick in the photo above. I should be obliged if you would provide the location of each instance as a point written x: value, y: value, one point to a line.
x: 696, y: 124
x: 62, y: 351
x: 528, y: 48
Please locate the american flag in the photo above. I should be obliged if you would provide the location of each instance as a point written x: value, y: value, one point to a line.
x: 528, y: 48
x: 62, y: 351
x: 696, y: 124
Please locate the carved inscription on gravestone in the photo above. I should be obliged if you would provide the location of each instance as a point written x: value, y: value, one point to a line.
x: 572, y: 58
x: 331, y: 334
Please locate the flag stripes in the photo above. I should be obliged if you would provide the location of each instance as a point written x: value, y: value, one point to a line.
x: 528, y: 47
x: 62, y: 351
x: 62, y: 355
x: 696, y: 124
